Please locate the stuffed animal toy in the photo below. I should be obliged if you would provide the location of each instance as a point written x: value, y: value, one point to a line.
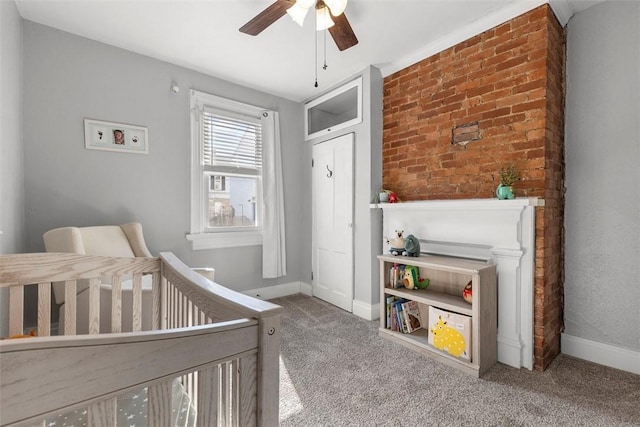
x: 33, y: 333
x: 396, y: 243
x: 412, y: 279
x: 467, y: 293
x: 411, y: 246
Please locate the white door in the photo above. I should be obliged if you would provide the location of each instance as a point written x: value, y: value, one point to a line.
x: 332, y: 241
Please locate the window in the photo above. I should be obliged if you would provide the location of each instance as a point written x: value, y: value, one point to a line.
x: 218, y: 183
x: 333, y: 111
x: 226, y: 193
x: 232, y: 161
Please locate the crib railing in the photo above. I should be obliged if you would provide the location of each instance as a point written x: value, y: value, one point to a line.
x: 224, y: 346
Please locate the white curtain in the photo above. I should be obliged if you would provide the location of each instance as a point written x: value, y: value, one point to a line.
x: 274, y: 256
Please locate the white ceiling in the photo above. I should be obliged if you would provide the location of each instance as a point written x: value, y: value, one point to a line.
x: 203, y: 35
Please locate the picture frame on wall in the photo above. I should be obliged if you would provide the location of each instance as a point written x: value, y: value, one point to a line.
x: 110, y: 136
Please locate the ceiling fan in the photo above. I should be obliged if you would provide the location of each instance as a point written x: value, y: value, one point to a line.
x: 329, y: 15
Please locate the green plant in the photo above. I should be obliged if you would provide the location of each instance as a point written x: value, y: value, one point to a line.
x: 509, y: 175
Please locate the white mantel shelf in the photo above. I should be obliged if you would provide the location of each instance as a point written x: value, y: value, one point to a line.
x: 501, y: 232
x: 460, y: 204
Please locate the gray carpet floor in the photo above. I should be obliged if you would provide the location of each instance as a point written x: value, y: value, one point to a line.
x: 336, y: 371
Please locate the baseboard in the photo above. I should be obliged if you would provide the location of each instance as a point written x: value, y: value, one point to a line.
x: 281, y: 290
x: 366, y: 311
x: 360, y: 309
x: 510, y: 352
x: 603, y: 354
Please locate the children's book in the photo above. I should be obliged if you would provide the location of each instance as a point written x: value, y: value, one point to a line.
x: 390, y: 300
x: 400, y: 323
x: 412, y: 313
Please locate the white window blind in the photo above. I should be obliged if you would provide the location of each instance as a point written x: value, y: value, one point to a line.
x: 231, y: 143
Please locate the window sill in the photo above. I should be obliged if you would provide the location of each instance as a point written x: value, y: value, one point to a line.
x: 234, y: 239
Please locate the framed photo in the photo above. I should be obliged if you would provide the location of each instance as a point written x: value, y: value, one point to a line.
x: 111, y: 136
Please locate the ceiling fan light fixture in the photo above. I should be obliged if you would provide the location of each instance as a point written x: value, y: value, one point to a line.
x: 298, y: 12
x: 323, y: 18
x: 336, y: 7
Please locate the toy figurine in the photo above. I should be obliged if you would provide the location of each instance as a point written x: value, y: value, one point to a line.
x: 467, y: 293
x: 412, y: 279
x: 411, y: 246
x: 396, y: 243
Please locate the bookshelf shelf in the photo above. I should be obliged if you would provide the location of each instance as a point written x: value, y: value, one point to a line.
x: 447, y: 278
x: 442, y: 300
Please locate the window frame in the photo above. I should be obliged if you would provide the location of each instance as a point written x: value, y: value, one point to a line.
x: 201, y: 236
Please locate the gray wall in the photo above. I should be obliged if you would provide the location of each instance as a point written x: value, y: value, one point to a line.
x: 368, y: 233
x: 69, y: 78
x: 602, y: 143
x: 11, y: 166
x: 11, y: 171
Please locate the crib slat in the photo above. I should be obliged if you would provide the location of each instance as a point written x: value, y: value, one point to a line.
x: 248, y: 371
x: 102, y: 413
x: 171, y: 290
x: 208, y: 395
x: 187, y: 382
x: 116, y: 304
x: 194, y: 389
x: 70, y: 291
x: 159, y: 407
x: 186, y: 310
x: 171, y: 306
x: 156, y: 297
x: 16, y: 302
x: 196, y: 315
x: 44, y: 309
x: 137, y: 302
x: 179, y: 313
x: 190, y: 321
x: 164, y: 302
x: 94, y: 306
x: 224, y: 394
x: 235, y: 394
x: 174, y: 308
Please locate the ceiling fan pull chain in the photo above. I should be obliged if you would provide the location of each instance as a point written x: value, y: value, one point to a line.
x: 315, y: 36
x: 324, y: 67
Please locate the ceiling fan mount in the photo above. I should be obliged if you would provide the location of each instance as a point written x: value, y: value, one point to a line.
x: 340, y: 31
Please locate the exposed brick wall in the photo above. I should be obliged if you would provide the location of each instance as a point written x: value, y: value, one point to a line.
x: 501, y: 94
x: 551, y: 310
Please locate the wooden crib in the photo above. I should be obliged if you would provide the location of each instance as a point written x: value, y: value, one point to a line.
x: 219, y: 347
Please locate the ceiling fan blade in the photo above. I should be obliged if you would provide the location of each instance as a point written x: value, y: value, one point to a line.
x: 342, y: 32
x: 267, y: 17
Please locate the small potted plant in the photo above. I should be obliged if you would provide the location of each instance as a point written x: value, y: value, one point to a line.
x: 508, y: 176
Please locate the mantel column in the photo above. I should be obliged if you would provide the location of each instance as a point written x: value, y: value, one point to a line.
x: 510, y: 342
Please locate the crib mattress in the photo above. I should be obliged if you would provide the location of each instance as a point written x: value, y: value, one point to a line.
x: 132, y: 410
